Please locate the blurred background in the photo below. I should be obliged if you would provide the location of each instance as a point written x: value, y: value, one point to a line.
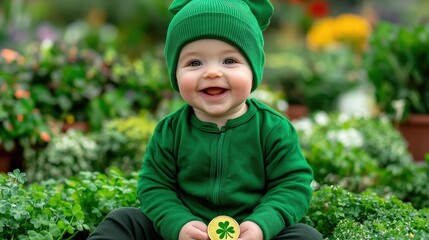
x: 300, y: 31
x: 80, y: 63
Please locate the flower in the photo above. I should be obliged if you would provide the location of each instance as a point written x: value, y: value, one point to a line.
x: 20, y: 93
x: 322, y: 118
x: 346, y: 29
x: 20, y: 117
x: 318, y: 9
x: 321, y: 34
x: 349, y: 138
x: 10, y: 55
x: 3, y: 87
x: 45, y: 136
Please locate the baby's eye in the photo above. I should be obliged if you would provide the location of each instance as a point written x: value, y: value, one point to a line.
x: 229, y: 61
x: 194, y: 63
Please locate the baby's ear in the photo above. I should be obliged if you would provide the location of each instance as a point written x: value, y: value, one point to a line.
x: 176, y: 5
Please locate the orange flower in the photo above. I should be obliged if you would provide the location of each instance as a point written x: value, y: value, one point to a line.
x: 45, y: 136
x: 3, y: 87
x: 20, y: 117
x: 10, y: 55
x: 20, y: 93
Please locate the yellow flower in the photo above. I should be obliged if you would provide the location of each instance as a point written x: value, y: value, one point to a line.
x: 348, y: 29
x: 70, y: 119
x: 352, y: 29
x: 321, y: 34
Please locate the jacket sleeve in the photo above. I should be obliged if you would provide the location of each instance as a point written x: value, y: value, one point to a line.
x: 289, y: 178
x: 157, y: 187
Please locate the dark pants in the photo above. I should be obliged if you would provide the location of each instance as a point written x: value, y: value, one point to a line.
x: 131, y: 223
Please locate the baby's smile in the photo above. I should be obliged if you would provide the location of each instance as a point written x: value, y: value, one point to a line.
x: 214, y: 91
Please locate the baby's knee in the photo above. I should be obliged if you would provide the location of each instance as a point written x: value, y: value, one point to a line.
x: 124, y: 213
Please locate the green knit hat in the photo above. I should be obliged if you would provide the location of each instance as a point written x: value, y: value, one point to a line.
x: 237, y: 22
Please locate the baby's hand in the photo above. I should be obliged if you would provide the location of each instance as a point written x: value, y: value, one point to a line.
x: 194, y: 230
x: 250, y: 231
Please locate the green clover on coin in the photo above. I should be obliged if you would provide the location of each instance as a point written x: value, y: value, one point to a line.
x: 225, y: 230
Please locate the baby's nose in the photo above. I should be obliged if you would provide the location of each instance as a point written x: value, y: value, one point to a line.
x: 213, y: 72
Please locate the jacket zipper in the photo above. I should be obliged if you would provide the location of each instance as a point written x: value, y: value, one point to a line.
x: 216, y: 192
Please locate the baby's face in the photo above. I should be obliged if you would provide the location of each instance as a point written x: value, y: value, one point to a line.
x: 214, y: 78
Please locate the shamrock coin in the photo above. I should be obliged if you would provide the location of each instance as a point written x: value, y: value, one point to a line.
x: 222, y: 228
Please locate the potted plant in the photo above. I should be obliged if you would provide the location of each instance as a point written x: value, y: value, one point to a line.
x: 66, y: 155
x: 397, y: 65
x: 22, y: 124
x: 314, y: 81
x: 330, y: 65
x: 78, y: 85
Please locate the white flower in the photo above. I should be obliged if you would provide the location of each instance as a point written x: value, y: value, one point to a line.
x: 350, y: 138
x: 263, y: 95
x: 282, y: 105
x: 321, y: 118
x: 304, y: 124
x: 343, y: 117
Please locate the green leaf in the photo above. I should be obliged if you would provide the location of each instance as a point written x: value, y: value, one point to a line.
x: 76, y: 209
x: 36, y: 222
x: 55, y: 231
x: 61, y: 224
x: 80, y: 215
x: 17, y: 215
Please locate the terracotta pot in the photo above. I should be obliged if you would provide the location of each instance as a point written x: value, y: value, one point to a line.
x: 80, y: 125
x: 5, y: 160
x: 416, y: 132
x: 296, y: 111
x: 5, y: 163
x: 13, y: 159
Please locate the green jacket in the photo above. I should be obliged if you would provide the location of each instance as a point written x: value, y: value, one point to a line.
x: 252, y: 169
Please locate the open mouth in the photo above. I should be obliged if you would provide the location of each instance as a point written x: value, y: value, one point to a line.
x: 213, y: 91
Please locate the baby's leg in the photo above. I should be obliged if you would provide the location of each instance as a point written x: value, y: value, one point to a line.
x: 125, y: 223
x: 299, y: 231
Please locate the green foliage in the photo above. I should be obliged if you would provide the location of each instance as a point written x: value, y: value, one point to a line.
x: 315, y: 79
x: 70, y: 84
x: 409, y: 182
x: 375, y: 135
x: 383, y: 141
x: 57, y: 209
x: 37, y: 211
x: 65, y: 156
x: 66, y: 84
x: 98, y: 194
x: 334, y: 148
x: 340, y: 214
x: 397, y: 65
x: 360, y: 153
x: 274, y: 99
x: 122, y: 142
x: 20, y: 120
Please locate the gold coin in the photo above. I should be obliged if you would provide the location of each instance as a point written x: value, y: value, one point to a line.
x: 222, y: 228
